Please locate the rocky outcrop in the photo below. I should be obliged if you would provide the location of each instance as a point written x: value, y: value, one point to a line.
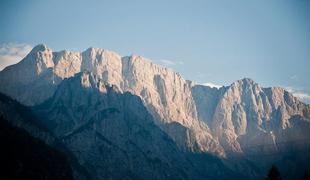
x: 125, y: 117
x: 114, y: 136
x: 31, y: 80
x: 245, y: 115
x: 165, y: 93
x: 225, y: 121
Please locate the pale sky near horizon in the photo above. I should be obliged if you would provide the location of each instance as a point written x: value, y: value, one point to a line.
x: 207, y: 41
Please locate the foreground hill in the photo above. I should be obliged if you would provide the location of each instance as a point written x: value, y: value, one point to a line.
x: 25, y: 157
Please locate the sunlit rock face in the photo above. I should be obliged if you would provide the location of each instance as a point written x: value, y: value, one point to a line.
x: 165, y: 93
x: 111, y: 134
x: 248, y: 115
x: 223, y: 121
x: 30, y: 80
x: 114, y: 136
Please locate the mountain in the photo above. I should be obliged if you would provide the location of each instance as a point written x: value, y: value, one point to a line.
x: 119, y: 141
x: 165, y: 93
x: 75, y: 94
x: 263, y: 125
x: 25, y: 157
x: 122, y: 138
x: 28, y: 136
x: 246, y: 115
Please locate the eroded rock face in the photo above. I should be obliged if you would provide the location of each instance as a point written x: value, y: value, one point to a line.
x: 114, y: 136
x: 249, y: 116
x: 199, y: 118
x: 165, y: 93
x: 30, y: 80
x: 67, y: 63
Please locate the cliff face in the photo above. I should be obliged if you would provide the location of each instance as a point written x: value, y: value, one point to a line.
x: 31, y: 80
x: 165, y: 93
x: 247, y: 115
x: 224, y: 121
x: 113, y: 135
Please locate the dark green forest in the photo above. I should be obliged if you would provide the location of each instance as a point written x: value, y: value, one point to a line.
x: 25, y: 157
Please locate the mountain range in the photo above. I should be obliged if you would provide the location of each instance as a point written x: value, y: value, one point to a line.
x: 119, y: 117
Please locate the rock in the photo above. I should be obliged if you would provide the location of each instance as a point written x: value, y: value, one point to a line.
x: 243, y: 119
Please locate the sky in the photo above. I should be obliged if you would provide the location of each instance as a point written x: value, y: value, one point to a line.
x: 213, y: 42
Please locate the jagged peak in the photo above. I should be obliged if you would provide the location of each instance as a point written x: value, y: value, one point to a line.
x: 135, y: 57
x: 40, y: 55
x: 245, y: 82
x: 38, y: 48
x: 96, y: 50
x: 93, y: 52
x: 90, y: 49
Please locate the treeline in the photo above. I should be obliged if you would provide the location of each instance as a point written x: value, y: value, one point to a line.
x: 274, y: 174
x: 25, y: 157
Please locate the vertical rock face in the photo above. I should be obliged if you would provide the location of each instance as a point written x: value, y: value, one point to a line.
x: 165, y: 93
x: 168, y: 97
x: 30, y: 80
x: 36, y: 63
x: 222, y: 121
x: 206, y: 100
x: 248, y: 115
x: 113, y: 135
x: 105, y: 64
x: 165, y: 90
x: 67, y: 64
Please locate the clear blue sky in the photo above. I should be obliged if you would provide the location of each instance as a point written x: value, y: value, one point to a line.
x: 216, y: 41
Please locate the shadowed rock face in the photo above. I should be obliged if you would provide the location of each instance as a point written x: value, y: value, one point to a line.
x: 242, y: 119
x: 110, y: 134
x: 21, y: 118
x: 25, y: 157
x: 114, y: 136
x: 166, y: 95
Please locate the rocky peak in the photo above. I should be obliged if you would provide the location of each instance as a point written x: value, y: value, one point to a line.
x: 247, y: 81
x: 247, y: 110
x: 211, y: 117
x: 245, y: 84
x: 36, y: 63
x: 38, y: 48
x: 38, y: 60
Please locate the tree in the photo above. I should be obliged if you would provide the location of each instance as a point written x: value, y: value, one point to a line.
x: 273, y: 174
x: 306, y: 176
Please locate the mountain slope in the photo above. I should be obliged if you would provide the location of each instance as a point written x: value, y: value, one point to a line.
x: 243, y: 121
x: 247, y: 115
x: 21, y: 117
x: 114, y: 136
x: 206, y: 118
x: 165, y: 93
x: 25, y: 157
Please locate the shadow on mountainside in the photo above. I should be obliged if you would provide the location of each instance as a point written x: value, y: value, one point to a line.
x: 25, y: 157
